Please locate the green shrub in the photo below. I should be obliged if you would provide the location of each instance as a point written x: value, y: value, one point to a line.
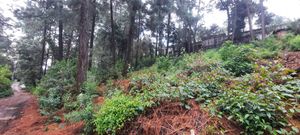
x: 145, y: 62
x: 228, y: 50
x: 295, y: 43
x: 238, y: 59
x: 163, y: 63
x: 212, y: 55
x: 116, y: 111
x: 83, y: 111
x: 259, y: 113
x: 86, y: 114
x: 58, y: 81
x: 5, y: 82
x: 106, y: 71
x: 271, y: 44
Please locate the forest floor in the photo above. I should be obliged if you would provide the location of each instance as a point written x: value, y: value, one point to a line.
x: 19, y: 115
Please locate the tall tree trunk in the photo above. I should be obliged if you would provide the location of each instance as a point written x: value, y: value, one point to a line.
x: 156, y: 45
x: 46, y: 65
x: 44, y: 42
x: 60, y: 33
x: 82, y: 65
x: 234, y: 23
x: 250, y: 19
x: 92, y: 35
x: 138, y: 41
x: 132, y: 13
x: 168, y: 33
x: 113, y: 42
x: 228, y: 22
x: 69, y: 44
x: 43, y: 48
x: 262, y: 19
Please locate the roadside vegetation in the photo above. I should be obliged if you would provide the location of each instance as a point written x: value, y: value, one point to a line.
x: 246, y: 84
x: 5, y: 82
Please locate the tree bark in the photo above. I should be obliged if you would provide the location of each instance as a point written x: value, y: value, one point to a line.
x: 262, y: 18
x: 113, y: 45
x: 82, y: 65
x: 60, y: 33
x: 168, y: 33
x: 132, y: 12
x: 234, y: 21
x: 156, y: 44
x: 92, y: 35
x: 250, y: 19
x: 69, y: 44
x: 46, y: 65
x: 138, y: 41
x: 43, y: 48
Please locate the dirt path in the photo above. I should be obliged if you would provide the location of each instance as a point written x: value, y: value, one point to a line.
x: 11, y: 107
x: 19, y: 115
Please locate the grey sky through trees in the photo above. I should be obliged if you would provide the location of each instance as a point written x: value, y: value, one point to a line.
x: 286, y: 8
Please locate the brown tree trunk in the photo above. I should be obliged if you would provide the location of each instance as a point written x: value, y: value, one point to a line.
x: 228, y: 21
x: 113, y: 45
x: 44, y: 43
x: 262, y: 19
x: 234, y: 21
x: 43, y: 48
x: 132, y: 13
x: 250, y: 19
x: 168, y: 33
x: 138, y: 41
x: 156, y: 44
x: 82, y: 65
x: 60, y: 34
x: 92, y: 35
x: 69, y: 44
x: 46, y: 65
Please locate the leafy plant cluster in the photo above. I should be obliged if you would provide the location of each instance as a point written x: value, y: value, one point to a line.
x: 106, y: 71
x: 5, y: 82
x: 237, y: 59
x: 116, y: 111
x: 256, y: 107
x: 55, y: 85
x: 82, y: 108
x: 294, y: 43
x: 244, y: 83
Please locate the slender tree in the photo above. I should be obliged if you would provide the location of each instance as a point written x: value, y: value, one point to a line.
x: 249, y: 3
x: 92, y: 34
x: 82, y: 65
x: 133, y: 6
x: 43, y: 48
x: 113, y: 45
x: 261, y: 3
x: 168, y: 32
x: 60, y: 32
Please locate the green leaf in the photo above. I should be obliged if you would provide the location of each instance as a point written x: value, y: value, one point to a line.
x: 230, y: 117
x: 295, y: 129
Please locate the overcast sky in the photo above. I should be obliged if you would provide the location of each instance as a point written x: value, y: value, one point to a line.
x: 285, y: 8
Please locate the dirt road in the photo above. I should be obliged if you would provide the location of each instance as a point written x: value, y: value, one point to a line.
x: 11, y: 107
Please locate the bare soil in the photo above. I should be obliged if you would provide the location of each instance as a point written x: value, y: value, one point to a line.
x: 19, y: 115
x: 292, y: 60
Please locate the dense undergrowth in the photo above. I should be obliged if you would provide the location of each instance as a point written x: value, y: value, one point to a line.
x: 5, y: 82
x: 246, y: 83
